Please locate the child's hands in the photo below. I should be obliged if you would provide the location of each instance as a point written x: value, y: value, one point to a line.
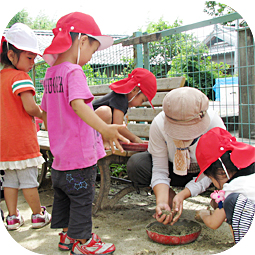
x: 138, y: 140
x: 201, y: 213
x: 111, y: 136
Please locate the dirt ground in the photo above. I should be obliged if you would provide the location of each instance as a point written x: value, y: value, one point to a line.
x: 124, y: 225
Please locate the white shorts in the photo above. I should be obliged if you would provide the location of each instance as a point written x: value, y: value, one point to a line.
x: 21, y: 179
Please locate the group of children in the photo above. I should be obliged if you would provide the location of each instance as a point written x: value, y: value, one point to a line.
x: 79, y: 132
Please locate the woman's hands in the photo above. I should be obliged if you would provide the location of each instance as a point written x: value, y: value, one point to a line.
x: 163, y: 213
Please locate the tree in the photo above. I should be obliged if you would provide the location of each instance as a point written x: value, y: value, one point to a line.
x: 41, y: 21
x: 163, y: 51
x: 217, y: 9
x: 182, y: 54
x: 21, y: 17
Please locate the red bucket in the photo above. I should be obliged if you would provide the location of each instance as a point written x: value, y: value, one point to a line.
x: 182, y: 232
x: 134, y: 146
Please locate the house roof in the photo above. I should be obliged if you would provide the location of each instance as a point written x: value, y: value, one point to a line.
x: 114, y: 55
x: 223, y: 39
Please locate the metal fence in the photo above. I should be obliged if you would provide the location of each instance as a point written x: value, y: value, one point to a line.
x: 215, y: 56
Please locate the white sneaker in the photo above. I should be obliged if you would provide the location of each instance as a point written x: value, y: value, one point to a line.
x: 39, y: 221
x: 14, y: 222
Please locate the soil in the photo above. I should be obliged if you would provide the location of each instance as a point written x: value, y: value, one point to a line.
x: 124, y: 225
x: 180, y: 228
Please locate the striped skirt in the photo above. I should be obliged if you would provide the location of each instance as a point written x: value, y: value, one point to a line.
x: 242, y: 211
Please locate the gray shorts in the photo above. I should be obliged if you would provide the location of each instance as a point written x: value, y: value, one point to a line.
x: 21, y: 179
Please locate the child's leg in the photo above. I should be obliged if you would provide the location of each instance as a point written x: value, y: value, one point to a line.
x: 32, y: 197
x: 28, y: 184
x: 105, y: 113
x: 11, y: 200
x: 81, y: 194
x: 11, y: 186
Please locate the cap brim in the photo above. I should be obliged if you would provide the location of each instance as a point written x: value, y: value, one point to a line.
x: 35, y: 51
x: 186, y: 132
x: 104, y: 40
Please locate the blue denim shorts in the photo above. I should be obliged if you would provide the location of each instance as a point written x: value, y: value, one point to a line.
x: 74, y: 192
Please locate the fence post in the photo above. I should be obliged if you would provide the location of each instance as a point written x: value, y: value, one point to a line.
x: 246, y: 84
x: 138, y: 52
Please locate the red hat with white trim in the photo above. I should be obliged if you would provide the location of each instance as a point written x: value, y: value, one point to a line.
x: 213, y: 144
x: 141, y: 78
x: 74, y: 22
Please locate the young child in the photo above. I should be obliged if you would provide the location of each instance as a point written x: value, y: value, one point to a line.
x: 20, y: 152
x: 230, y: 165
x: 140, y: 86
x: 74, y: 131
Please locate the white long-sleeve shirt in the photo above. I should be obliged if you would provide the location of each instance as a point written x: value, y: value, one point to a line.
x: 162, y: 149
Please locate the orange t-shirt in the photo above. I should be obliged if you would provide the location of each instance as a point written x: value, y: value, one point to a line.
x: 18, y: 131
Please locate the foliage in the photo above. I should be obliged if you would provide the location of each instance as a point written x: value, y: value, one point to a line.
x: 118, y: 170
x: 41, y: 21
x: 197, y: 67
x: 162, y: 52
x: 217, y: 9
x: 21, y: 17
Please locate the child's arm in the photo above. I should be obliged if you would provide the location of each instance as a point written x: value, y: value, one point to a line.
x: 109, y: 132
x: 29, y: 104
x: 117, y: 118
x: 44, y: 117
x: 214, y: 220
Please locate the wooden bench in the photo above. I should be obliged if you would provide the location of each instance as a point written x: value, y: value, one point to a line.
x: 139, y: 120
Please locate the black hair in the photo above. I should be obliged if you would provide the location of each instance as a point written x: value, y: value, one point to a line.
x: 216, y: 170
x: 75, y: 35
x: 4, y: 58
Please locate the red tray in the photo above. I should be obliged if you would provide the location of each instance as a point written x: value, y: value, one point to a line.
x: 134, y: 146
x: 182, y: 238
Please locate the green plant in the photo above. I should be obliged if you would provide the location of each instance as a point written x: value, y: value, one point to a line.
x: 118, y: 170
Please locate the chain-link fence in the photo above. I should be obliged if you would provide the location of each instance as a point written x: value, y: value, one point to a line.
x: 215, y: 56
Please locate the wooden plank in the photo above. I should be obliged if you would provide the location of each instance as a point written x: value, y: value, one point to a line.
x: 163, y: 84
x: 141, y: 130
x: 142, y: 39
x: 100, y: 89
x: 143, y: 114
x: 167, y: 84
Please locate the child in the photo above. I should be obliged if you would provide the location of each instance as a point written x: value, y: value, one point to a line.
x: 20, y: 152
x: 74, y: 129
x: 230, y: 165
x: 140, y: 86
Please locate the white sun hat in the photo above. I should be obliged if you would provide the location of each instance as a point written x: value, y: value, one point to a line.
x: 22, y: 37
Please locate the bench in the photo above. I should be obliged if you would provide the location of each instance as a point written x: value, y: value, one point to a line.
x: 139, y: 120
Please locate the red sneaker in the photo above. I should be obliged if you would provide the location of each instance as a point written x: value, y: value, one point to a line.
x: 92, y: 247
x: 66, y: 242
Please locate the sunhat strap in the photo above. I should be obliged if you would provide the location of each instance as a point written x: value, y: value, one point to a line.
x: 78, y: 58
x: 134, y: 96
x: 224, y: 168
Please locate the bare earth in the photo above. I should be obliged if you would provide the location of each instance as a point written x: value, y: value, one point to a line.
x: 124, y: 225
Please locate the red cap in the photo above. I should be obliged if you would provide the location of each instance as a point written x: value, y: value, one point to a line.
x: 74, y: 22
x: 213, y: 144
x: 141, y: 78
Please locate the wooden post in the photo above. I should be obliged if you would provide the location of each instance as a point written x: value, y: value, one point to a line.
x: 246, y: 84
x: 138, y: 52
